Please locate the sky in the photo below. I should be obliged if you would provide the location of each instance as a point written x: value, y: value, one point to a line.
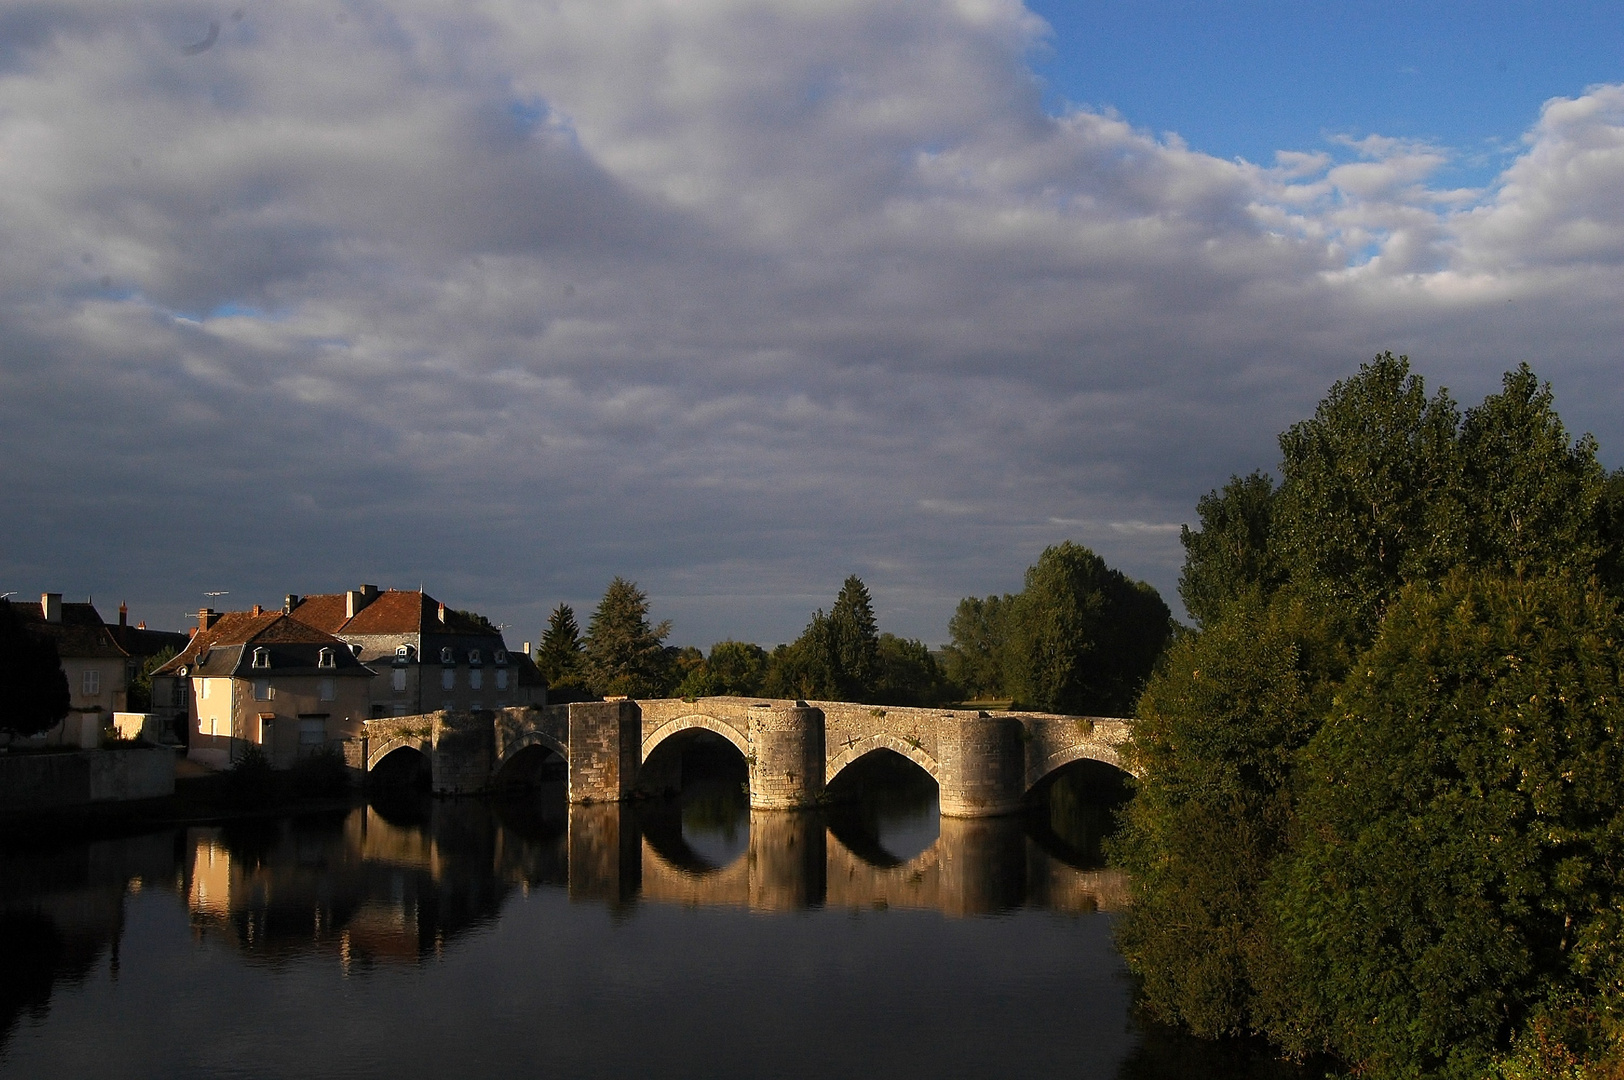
x: 734, y: 299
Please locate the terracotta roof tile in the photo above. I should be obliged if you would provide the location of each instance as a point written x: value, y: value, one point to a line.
x: 394, y: 612
x: 80, y: 634
x: 324, y: 611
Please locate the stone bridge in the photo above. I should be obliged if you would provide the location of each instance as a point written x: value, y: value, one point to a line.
x: 984, y: 764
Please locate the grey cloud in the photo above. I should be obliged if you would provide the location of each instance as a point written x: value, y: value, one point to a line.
x: 732, y: 299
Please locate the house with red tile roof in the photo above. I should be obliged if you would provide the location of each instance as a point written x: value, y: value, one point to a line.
x: 428, y: 657
x: 96, y: 665
x: 260, y: 678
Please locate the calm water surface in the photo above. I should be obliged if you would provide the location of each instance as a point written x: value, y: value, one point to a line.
x: 692, y: 938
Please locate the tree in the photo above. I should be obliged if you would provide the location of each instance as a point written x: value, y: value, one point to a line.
x: 1369, y: 497
x: 140, y: 692
x: 837, y: 656
x: 560, y: 656
x: 910, y: 675
x: 974, y: 656
x: 33, y: 689
x: 1463, y: 823
x: 623, y: 654
x: 1082, y: 637
x: 1229, y: 556
x: 732, y: 668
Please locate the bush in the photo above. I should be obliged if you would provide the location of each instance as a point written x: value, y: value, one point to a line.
x: 324, y: 773
x: 250, y: 778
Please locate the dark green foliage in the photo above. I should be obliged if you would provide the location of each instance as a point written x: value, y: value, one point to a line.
x: 1229, y: 556
x: 736, y: 668
x: 910, y: 675
x: 477, y: 619
x: 853, y: 643
x: 837, y: 656
x: 1218, y: 729
x: 974, y: 656
x: 33, y: 689
x: 323, y: 774
x: 1463, y: 824
x: 250, y: 780
x: 1082, y: 637
x: 561, y: 658
x: 1381, y: 802
x: 1369, y: 497
x: 140, y: 692
x: 623, y: 654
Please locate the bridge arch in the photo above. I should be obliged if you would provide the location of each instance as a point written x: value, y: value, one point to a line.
x: 526, y: 741
x: 1085, y: 751
x: 678, y: 725
x: 880, y: 741
x: 375, y: 754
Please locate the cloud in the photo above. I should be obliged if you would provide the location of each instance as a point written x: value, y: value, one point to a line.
x: 733, y: 299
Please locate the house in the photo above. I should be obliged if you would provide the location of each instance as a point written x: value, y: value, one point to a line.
x: 260, y: 678
x: 427, y: 656
x: 96, y: 666
x: 141, y: 645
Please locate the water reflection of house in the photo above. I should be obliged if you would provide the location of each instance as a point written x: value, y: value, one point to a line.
x: 260, y: 678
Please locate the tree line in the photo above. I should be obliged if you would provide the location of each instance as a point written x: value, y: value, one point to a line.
x: 1380, y: 811
x: 1079, y: 638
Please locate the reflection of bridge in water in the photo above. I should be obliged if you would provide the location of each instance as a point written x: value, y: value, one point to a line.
x: 984, y: 764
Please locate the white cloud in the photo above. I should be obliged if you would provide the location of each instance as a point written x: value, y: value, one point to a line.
x: 735, y: 299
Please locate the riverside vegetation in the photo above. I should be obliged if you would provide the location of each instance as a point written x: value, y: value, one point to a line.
x: 1381, y: 805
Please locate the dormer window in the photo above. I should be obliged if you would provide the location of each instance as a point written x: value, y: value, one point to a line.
x: 500, y: 656
x: 403, y: 654
x: 473, y: 656
x: 355, y: 651
x: 262, y: 657
x: 326, y: 658
x: 446, y: 657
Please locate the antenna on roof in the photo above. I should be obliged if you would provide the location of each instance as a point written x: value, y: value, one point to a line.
x: 222, y: 592
x: 3, y: 595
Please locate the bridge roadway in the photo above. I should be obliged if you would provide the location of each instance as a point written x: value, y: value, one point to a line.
x: 984, y: 763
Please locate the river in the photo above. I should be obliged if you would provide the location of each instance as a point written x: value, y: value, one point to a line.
x: 411, y: 937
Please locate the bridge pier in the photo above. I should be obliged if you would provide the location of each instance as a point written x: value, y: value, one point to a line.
x: 605, y: 746
x: 786, y: 756
x: 982, y: 764
x: 788, y: 861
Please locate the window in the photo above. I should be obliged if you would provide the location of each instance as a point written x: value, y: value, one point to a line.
x: 262, y: 657
x: 398, y: 679
x: 92, y: 681
x: 262, y: 689
x: 476, y: 678
x: 501, y: 678
x: 447, y: 706
x: 446, y: 657
x: 203, y: 689
x: 403, y: 654
x: 500, y: 656
x: 473, y: 657
x: 448, y: 679
x: 399, y: 708
x: 329, y: 689
x: 326, y: 658
x: 312, y: 732
x: 475, y: 706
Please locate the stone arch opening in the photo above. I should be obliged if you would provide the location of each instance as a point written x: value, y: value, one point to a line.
x: 401, y: 767
x: 698, y: 818
x: 534, y: 764
x: 1073, y: 809
x: 884, y: 805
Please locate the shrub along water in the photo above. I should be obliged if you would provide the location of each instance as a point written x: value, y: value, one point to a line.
x: 1381, y: 807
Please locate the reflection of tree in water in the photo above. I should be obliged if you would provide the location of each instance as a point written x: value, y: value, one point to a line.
x: 1164, y: 1053
x: 33, y: 955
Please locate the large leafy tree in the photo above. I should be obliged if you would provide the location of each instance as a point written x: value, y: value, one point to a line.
x: 1082, y: 637
x: 733, y: 667
x: 974, y: 656
x: 910, y: 675
x: 33, y: 689
x: 1463, y: 823
x: 1326, y: 848
x: 623, y: 652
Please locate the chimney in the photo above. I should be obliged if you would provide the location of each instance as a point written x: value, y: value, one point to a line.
x: 356, y: 599
x: 50, y: 605
x: 527, y: 648
x: 369, y: 592
x: 207, y: 617
x: 289, y: 602
x: 123, y: 614
x: 258, y: 610
x: 142, y: 625
x: 442, y: 611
